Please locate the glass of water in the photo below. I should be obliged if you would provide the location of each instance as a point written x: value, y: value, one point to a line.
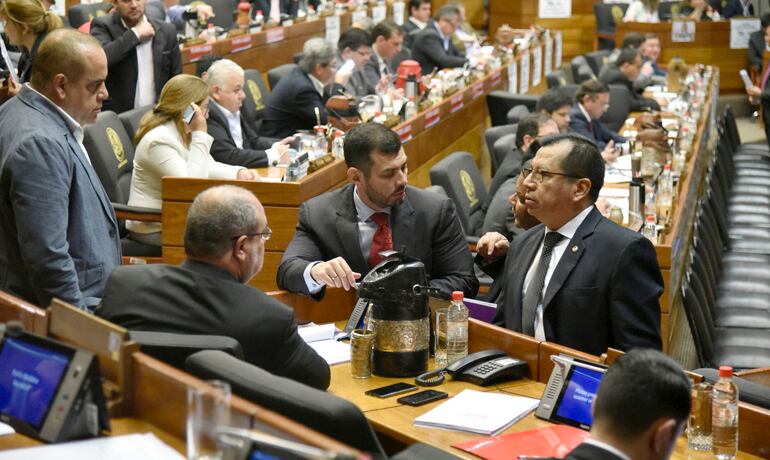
x: 439, y: 335
x: 699, y: 422
x: 207, y: 409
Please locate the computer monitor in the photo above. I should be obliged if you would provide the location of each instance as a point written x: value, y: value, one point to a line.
x: 570, y: 392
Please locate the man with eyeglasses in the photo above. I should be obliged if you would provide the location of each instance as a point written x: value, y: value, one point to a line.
x: 578, y: 279
x: 591, y: 101
x: 207, y: 294
x: 355, y: 51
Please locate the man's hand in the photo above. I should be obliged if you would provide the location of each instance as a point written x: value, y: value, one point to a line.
x: 13, y: 87
x: 647, y: 69
x: 334, y: 273
x: 610, y: 153
x: 247, y: 174
x: 144, y: 30
x: 754, y: 91
x: 492, y: 245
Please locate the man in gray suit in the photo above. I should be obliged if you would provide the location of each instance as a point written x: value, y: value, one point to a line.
x: 58, y: 233
x: 340, y: 233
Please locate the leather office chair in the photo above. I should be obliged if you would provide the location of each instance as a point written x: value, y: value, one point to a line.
x: 597, y: 59
x: 503, y: 147
x: 253, y: 107
x: 112, y: 155
x: 491, y: 135
x: 667, y: 10
x: 224, y: 12
x: 750, y: 392
x: 581, y: 70
x: 80, y: 14
x: 517, y: 113
x: 174, y: 349
x: 275, y: 74
x: 556, y: 79
x: 500, y: 102
x: 620, y: 106
x: 132, y: 118
x: 461, y: 179
x: 607, y: 15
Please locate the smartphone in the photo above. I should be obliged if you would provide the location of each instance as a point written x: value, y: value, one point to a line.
x: 745, y: 77
x: 423, y: 397
x: 392, y: 390
x: 188, y: 114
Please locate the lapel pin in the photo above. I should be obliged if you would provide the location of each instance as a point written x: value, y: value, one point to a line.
x: 574, y: 248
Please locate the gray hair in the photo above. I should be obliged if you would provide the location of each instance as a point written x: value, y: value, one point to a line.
x: 216, y: 216
x: 447, y: 12
x: 220, y: 70
x: 316, y: 51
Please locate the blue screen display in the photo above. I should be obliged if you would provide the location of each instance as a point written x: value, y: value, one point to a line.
x: 578, y: 395
x: 29, y: 378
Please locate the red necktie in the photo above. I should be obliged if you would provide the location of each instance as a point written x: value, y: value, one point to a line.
x: 382, y: 241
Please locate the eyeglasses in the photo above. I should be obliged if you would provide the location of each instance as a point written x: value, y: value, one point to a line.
x: 539, y: 175
x: 265, y: 235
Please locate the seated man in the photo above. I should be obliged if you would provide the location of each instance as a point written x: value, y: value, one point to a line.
x: 556, y: 103
x: 298, y: 100
x: 592, y: 100
x: 652, y: 387
x: 340, y: 233
x: 355, y: 47
x: 578, y: 279
x: 388, y: 38
x: 207, y: 294
x: 142, y: 55
x: 734, y: 8
x: 419, y: 15
x: 624, y: 73
x: 235, y: 141
x: 647, y: 75
x: 433, y: 47
x: 650, y: 51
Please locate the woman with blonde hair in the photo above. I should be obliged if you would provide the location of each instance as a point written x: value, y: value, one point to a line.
x: 167, y: 145
x: 26, y: 23
x: 642, y: 11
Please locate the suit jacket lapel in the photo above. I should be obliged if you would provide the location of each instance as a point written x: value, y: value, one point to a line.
x: 157, y: 56
x: 347, y: 230
x: 522, y: 264
x: 221, y: 118
x: 95, y: 182
x: 403, y: 228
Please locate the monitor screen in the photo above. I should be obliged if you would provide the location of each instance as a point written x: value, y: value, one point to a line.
x: 577, y: 396
x: 30, y: 375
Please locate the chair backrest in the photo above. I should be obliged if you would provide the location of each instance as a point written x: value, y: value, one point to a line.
x: 174, y: 349
x: 253, y: 107
x: 500, y: 102
x: 491, y: 135
x: 597, y: 59
x: 752, y: 393
x: 667, y: 10
x: 132, y: 118
x: 80, y: 14
x: 111, y: 151
x: 275, y: 74
x: 620, y: 106
x: 607, y: 15
x: 13, y: 308
x: 461, y: 179
x: 516, y: 114
x: 319, y: 410
x: 556, y: 79
x: 581, y: 70
x: 503, y: 147
x: 224, y: 12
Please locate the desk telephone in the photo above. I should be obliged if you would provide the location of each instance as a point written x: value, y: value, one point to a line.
x: 481, y: 368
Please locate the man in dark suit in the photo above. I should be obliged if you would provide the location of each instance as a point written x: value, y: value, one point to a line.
x: 58, y: 232
x: 433, y: 47
x: 735, y: 8
x: 142, y: 55
x: 207, y: 294
x: 624, y: 72
x: 298, y: 97
x: 652, y: 387
x: 556, y: 103
x: 591, y: 101
x: 761, y: 93
x: 340, y: 234
x: 355, y: 52
x: 387, y: 40
x: 578, y: 279
x: 757, y: 45
x: 419, y: 15
x: 235, y: 141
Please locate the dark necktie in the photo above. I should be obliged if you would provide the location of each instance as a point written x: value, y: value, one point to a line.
x: 535, y: 288
x: 383, y: 239
x: 591, y: 128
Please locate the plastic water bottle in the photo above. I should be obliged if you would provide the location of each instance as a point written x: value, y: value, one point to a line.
x: 411, y: 109
x: 724, y: 415
x: 456, y: 329
x: 650, y: 230
x: 322, y: 146
x: 665, y: 193
x: 338, y: 145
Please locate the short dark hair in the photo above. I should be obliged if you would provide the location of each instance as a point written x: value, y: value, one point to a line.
x: 765, y: 21
x: 591, y: 88
x: 415, y: 4
x: 386, y: 28
x: 354, y: 38
x: 554, y: 99
x: 583, y: 160
x: 364, y: 139
x: 529, y: 125
x: 654, y: 36
x: 640, y: 387
x: 627, y: 56
x: 633, y: 40
x: 447, y: 12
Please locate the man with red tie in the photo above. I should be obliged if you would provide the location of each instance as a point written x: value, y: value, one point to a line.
x: 761, y: 93
x: 340, y: 234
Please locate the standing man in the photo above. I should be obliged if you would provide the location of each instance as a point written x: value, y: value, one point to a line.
x: 433, y: 47
x: 58, y: 232
x: 578, y: 279
x: 592, y: 100
x: 142, y: 55
x: 340, y: 234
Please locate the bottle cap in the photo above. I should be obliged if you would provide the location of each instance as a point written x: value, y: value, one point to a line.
x: 259, y: 11
x: 725, y: 371
x: 667, y: 166
x: 457, y: 295
x: 651, y: 218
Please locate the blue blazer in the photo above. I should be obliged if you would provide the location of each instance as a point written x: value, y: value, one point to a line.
x: 58, y: 232
x: 600, y: 135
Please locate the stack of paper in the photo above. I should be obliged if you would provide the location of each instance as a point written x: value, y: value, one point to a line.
x: 478, y: 412
x: 321, y: 339
x: 128, y: 447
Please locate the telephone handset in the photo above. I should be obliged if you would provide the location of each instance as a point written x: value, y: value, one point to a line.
x: 480, y: 368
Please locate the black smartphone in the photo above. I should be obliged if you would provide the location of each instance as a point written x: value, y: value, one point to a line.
x: 392, y: 390
x: 423, y: 397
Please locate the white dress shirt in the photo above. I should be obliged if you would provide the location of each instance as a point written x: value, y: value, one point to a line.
x: 145, y: 72
x: 567, y: 231
x: 417, y: 22
x: 319, y: 86
x: 233, y: 123
x: 74, y: 126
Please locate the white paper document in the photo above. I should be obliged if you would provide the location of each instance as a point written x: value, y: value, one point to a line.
x: 321, y: 339
x: 478, y: 412
x: 129, y: 447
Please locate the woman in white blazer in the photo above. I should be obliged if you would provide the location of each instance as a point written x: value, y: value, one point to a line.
x: 168, y: 146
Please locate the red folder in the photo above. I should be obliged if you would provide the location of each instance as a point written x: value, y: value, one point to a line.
x: 550, y: 441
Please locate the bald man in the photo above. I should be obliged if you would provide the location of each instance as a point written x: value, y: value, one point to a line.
x: 58, y: 232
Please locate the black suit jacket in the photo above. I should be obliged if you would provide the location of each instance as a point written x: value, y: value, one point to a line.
x: 120, y: 45
x: 613, y: 76
x: 603, y: 293
x: 735, y: 8
x: 757, y: 49
x: 290, y: 105
x: 600, y: 134
x: 509, y: 168
x: 425, y: 224
x: 198, y: 298
x: 590, y: 452
x: 224, y: 150
x: 428, y: 50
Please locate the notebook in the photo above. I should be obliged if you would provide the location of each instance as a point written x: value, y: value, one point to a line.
x: 550, y: 441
